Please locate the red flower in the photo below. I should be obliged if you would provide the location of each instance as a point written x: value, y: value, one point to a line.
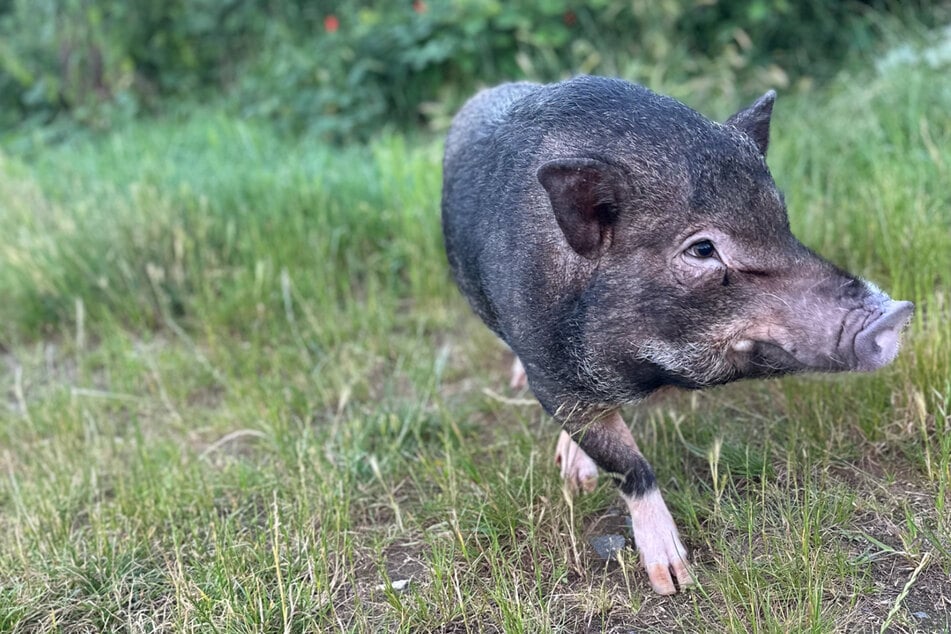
x: 419, y: 6
x: 570, y: 18
x: 331, y: 24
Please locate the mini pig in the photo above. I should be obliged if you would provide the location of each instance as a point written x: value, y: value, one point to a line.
x: 618, y: 242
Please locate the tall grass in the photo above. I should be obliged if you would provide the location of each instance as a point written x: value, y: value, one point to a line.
x: 242, y: 395
x: 200, y: 218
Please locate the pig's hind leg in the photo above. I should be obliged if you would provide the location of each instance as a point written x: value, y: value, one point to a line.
x: 518, y: 380
x: 609, y: 443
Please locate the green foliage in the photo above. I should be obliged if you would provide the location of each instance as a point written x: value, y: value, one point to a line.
x: 341, y: 70
x: 94, y: 59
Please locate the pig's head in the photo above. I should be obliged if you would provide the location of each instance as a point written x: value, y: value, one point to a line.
x: 693, y: 277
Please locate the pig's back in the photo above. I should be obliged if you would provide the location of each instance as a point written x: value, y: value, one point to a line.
x: 482, y: 114
x: 470, y: 173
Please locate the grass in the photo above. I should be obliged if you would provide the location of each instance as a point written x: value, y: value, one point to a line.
x: 242, y: 395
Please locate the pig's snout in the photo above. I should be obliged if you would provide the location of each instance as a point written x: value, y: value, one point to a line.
x: 863, y: 338
x: 876, y: 345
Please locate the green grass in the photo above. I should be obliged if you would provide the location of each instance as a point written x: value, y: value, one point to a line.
x: 242, y: 395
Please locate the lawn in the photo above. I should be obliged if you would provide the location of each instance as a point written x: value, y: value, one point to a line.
x: 242, y: 395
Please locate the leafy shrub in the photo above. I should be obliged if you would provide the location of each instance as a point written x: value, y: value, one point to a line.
x: 343, y: 69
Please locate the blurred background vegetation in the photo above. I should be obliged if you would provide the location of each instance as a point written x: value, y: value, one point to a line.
x: 342, y: 70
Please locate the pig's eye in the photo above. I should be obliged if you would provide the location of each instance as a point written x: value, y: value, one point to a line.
x: 703, y: 249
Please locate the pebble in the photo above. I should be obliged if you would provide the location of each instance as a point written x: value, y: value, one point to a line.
x: 607, y: 546
x: 396, y: 585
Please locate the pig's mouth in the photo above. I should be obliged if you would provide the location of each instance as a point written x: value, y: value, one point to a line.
x: 866, y: 341
x: 767, y: 358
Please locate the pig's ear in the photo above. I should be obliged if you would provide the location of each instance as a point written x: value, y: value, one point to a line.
x: 754, y: 121
x: 584, y: 197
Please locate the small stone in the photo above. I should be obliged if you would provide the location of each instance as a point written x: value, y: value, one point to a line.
x: 607, y: 546
x: 396, y: 585
x: 920, y: 615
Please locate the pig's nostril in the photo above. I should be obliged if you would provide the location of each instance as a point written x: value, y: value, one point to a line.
x: 877, y: 344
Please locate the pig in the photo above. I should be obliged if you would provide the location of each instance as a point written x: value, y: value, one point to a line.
x: 619, y: 242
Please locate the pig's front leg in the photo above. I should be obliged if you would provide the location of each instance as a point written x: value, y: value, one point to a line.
x: 609, y: 443
x: 578, y: 470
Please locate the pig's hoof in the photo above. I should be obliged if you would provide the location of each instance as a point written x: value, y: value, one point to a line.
x: 662, y: 553
x: 577, y: 469
x: 519, y: 379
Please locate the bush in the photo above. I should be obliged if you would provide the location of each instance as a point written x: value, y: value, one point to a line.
x: 343, y: 69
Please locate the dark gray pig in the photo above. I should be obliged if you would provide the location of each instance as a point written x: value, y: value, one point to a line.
x: 618, y: 242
